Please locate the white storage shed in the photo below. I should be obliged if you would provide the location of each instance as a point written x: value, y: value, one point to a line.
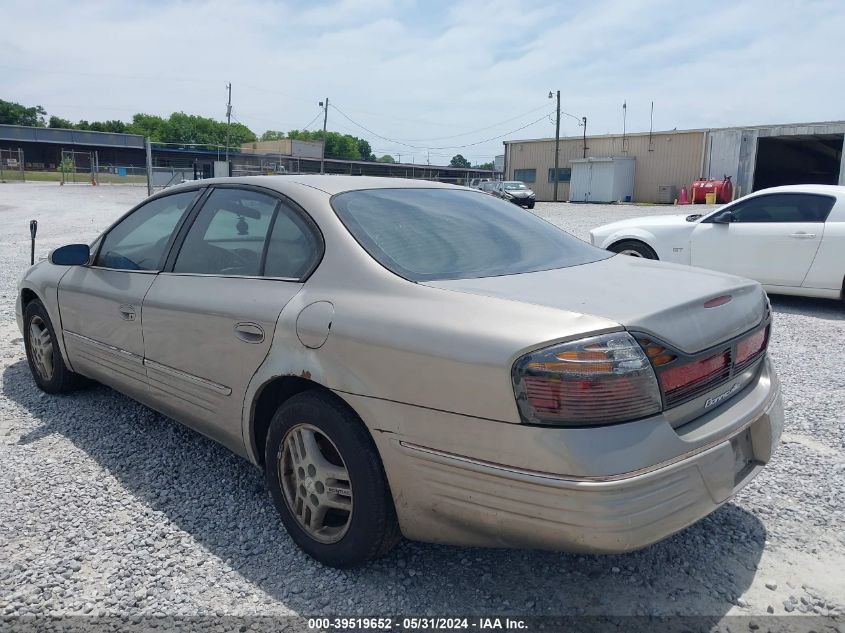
x: 602, y: 179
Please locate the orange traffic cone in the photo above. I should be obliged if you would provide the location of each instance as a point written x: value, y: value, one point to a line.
x: 684, y: 198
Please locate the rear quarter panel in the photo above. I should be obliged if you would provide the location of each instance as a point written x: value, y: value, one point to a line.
x: 828, y: 268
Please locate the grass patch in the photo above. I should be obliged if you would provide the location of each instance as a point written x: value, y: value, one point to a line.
x: 55, y: 176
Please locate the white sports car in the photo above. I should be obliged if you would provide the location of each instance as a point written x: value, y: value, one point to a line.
x: 791, y: 239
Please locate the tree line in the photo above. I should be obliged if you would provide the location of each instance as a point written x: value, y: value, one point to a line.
x: 198, y: 131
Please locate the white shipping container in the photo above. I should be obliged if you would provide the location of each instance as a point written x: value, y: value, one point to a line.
x: 602, y: 179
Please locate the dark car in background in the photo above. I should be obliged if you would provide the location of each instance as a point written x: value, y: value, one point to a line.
x: 511, y: 190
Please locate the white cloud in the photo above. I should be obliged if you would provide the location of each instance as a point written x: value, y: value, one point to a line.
x: 419, y: 70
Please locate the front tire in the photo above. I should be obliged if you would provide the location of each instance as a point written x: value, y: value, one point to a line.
x: 42, y: 352
x: 327, y: 482
x: 633, y: 248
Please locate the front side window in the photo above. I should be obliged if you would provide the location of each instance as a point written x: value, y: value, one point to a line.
x: 228, y: 235
x: 525, y: 175
x: 783, y: 207
x: 432, y: 234
x: 139, y: 241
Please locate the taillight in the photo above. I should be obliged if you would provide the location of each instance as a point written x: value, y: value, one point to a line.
x: 695, y: 372
x: 591, y: 381
x: 752, y: 346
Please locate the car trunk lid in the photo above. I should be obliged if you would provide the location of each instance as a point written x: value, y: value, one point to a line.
x: 690, y: 308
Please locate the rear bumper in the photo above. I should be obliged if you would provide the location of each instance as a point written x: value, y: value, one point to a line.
x: 446, y: 497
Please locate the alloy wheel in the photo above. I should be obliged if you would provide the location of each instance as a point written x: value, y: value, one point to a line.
x: 316, y: 484
x: 41, y: 347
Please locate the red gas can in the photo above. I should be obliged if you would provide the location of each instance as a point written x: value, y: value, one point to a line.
x: 722, y: 188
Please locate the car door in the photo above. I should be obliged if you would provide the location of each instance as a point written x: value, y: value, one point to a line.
x: 209, y: 318
x: 100, y: 304
x: 773, y: 238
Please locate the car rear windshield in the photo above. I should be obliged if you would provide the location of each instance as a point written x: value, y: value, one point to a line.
x: 430, y: 234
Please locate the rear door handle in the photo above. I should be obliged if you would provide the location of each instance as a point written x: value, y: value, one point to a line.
x: 127, y: 312
x: 802, y: 236
x: 249, y: 332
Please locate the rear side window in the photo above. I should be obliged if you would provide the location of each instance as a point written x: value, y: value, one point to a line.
x: 139, y: 241
x: 430, y: 234
x: 293, y: 247
x: 784, y: 207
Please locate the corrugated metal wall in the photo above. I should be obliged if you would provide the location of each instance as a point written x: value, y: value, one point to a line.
x: 673, y: 158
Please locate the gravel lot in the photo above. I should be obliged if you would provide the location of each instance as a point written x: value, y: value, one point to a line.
x: 109, y: 508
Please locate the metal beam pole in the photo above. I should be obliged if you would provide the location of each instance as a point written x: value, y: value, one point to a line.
x: 149, y: 167
x: 325, y: 121
x: 557, y: 146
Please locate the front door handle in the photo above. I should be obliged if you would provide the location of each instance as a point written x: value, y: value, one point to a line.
x: 802, y: 236
x: 249, y: 332
x: 127, y: 312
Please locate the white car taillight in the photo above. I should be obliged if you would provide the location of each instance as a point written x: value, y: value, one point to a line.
x: 592, y: 381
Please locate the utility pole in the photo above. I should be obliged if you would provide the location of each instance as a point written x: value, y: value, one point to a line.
x: 325, y: 105
x: 228, y: 121
x: 557, y: 144
x: 584, y: 120
x: 624, y: 117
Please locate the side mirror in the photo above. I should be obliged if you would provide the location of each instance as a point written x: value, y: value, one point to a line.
x: 71, y: 255
x: 725, y: 217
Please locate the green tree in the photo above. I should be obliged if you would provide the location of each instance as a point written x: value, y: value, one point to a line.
x: 12, y: 113
x: 179, y: 128
x: 115, y: 126
x: 272, y: 135
x: 337, y: 145
x: 485, y: 166
x: 190, y: 130
x: 149, y: 125
x: 66, y: 166
x: 364, y: 149
x: 387, y: 158
x: 459, y: 161
x: 239, y: 134
x: 56, y: 121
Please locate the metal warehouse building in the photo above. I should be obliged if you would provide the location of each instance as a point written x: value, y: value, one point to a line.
x: 754, y: 157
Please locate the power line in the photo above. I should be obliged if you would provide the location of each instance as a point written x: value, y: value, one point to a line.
x: 481, y: 129
x: 397, y: 142
x: 311, y: 122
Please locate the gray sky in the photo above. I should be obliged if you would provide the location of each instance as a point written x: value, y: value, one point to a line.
x: 432, y: 74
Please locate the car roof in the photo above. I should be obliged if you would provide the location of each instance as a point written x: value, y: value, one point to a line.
x: 328, y: 183
x: 836, y: 190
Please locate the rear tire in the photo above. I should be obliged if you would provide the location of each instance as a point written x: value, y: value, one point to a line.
x: 327, y: 482
x: 43, y: 354
x: 634, y: 248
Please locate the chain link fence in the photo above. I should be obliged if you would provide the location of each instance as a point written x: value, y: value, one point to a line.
x: 121, y: 175
x: 12, y: 165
